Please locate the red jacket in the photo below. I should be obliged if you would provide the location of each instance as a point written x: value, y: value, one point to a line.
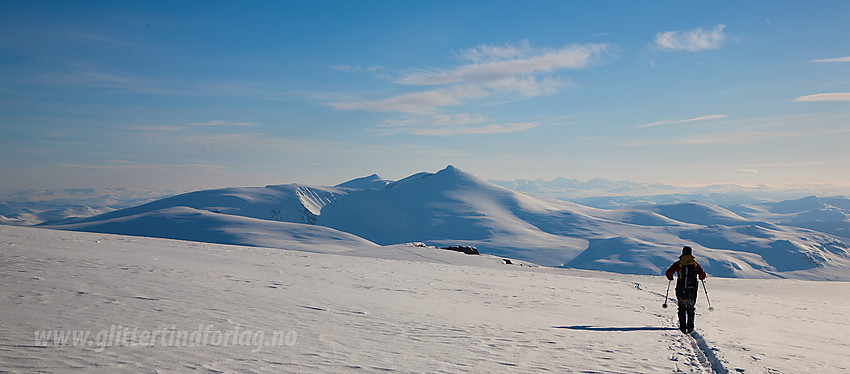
x: 687, y: 260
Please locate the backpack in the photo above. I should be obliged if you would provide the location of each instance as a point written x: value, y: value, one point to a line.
x: 688, y: 275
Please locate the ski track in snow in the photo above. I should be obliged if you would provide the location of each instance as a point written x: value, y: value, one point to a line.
x: 706, y: 354
x: 700, y: 358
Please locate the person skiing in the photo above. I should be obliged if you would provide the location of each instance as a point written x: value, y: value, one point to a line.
x: 688, y: 270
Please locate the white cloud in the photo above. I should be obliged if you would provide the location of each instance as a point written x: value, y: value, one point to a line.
x: 417, y: 102
x: 658, y: 123
x: 746, y: 171
x: 350, y: 68
x: 493, y: 128
x: 158, y: 128
x: 694, y: 119
x: 737, y: 137
x: 450, y: 124
x: 835, y: 96
x: 837, y: 59
x: 520, y: 70
x: 527, y: 86
x: 508, y: 72
x: 692, y: 40
x: 492, y: 66
x: 490, y: 52
x: 222, y: 123
x: 461, y: 119
x: 704, y: 118
x: 118, y: 164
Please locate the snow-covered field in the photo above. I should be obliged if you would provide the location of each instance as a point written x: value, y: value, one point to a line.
x: 253, y: 309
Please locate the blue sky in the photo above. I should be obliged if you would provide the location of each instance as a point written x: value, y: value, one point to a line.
x: 203, y: 94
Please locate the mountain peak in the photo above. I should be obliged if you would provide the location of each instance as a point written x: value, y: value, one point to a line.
x: 364, y: 183
x: 451, y: 174
x: 450, y: 169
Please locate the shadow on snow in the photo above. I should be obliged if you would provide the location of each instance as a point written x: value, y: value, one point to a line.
x: 596, y: 328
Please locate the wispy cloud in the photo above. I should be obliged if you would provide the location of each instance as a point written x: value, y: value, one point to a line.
x: 746, y: 171
x: 120, y: 164
x: 506, y: 72
x: 837, y: 59
x: 490, y: 52
x: 460, y: 119
x: 118, y: 82
x: 450, y: 124
x: 417, y: 102
x: 490, y: 69
x: 704, y: 118
x: 497, y: 63
x: 222, y: 123
x: 835, y: 96
x: 493, y: 128
x: 314, y: 149
x: 694, y: 119
x: 159, y: 128
x: 734, y: 138
x: 353, y: 68
x: 658, y: 123
x: 695, y: 40
x: 97, y: 79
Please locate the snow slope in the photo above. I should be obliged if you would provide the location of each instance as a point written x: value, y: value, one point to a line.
x: 287, y: 203
x: 452, y: 207
x: 203, y: 226
x: 419, y: 312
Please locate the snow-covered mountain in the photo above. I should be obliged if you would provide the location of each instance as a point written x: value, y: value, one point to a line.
x: 452, y: 207
x: 826, y: 214
x: 286, y: 203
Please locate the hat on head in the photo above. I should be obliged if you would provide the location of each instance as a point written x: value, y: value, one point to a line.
x: 686, y: 250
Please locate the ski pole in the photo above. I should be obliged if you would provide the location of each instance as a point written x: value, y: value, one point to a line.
x: 665, y: 294
x: 710, y: 308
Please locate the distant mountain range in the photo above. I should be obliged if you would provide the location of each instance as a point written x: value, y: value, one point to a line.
x: 452, y: 207
x: 827, y: 214
x: 30, y: 207
x: 604, y: 193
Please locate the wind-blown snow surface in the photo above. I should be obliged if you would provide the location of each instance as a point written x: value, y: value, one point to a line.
x: 452, y: 207
x: 421, y: 312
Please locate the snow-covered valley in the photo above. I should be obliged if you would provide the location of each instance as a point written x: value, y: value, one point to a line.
x: 413, y: 310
